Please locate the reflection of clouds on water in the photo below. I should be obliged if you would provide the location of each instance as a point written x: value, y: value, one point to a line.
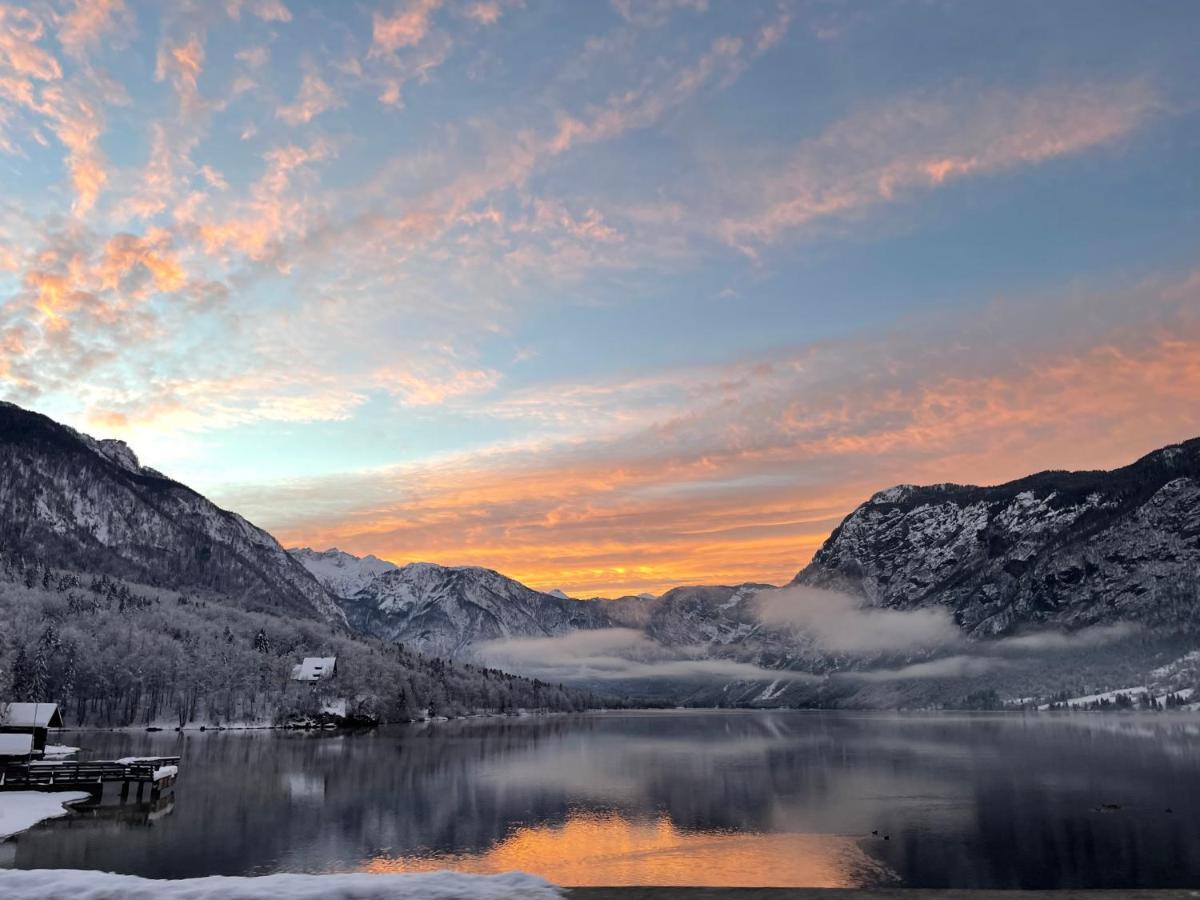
x: 825, y: 780
x: 986, y: 800
x: 591, y: 849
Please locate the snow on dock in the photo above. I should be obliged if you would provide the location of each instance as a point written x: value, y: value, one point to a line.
x: 38, y: 884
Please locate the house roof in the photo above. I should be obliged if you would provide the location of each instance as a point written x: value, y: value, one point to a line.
x: 314, y: 668
x: 30, y: 715
x: 16, y: 744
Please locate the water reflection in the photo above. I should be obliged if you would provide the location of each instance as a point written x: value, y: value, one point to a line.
x: 786, y: 798
x: 592, y: 849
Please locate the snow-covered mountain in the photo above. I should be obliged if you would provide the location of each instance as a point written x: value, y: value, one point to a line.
x: 74, y: 502
x: 1056, y: 550
x: 449, y: 610
x: 1063, y: 548
x: 342, y: 574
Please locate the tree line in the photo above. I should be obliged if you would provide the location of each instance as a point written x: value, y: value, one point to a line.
x: 118, y: 654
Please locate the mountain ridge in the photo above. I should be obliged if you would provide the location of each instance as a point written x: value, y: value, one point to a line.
x: 89, y: 505
x: 1061, y: 547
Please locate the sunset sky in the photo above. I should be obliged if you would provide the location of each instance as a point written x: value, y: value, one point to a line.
x: 609, y: 296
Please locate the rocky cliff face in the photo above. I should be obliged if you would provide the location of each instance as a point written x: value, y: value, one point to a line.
x: 448, y: 610
x: 1063, y: 548
x: 73, y: 502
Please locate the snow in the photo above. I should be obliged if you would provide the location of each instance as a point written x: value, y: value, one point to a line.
x: 30, y: 715
x: 771, y: 691
x: 335, y: 707
x: 342, y: 573
x: 314, y: 668
x: 165, y: 772
x: 134, y: 760
x: 1134, y: 693
x: 24, y: 809
x: 38, y: 884
x: 16, y: 744
x: 55, y: 750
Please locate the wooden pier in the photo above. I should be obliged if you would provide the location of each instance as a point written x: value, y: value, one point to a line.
x: 159, y: 772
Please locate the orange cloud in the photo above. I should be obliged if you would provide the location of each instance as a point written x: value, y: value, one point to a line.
x: 737, y: 473
x: 20, y: 31
x: 125, y: 253
x: 415, y: 389
x: 88, y: 21
x: 269, y: 214
x: 182, y: 64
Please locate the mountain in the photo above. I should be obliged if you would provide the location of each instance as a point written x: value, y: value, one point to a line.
x: 1068, y: 549
x: 448, y: 610
x: 342, y: 574
x: 1054, y: 552
x: 87, y: 505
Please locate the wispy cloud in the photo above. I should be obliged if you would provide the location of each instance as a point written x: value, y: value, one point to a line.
x: 88, y: 22
x: 315, y: 97
x: 909, y: 144
x: 736, y: 473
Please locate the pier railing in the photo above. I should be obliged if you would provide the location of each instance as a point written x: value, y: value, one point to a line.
x: 37, y: 775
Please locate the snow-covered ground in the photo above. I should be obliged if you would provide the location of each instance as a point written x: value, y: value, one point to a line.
x: 1134, y: 693
x: 56, y: 751
x: 40, y: 884
x: 24, y: 809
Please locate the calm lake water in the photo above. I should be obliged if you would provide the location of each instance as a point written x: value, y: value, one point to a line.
x: 720, y: 798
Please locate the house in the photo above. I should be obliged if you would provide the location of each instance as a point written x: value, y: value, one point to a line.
x: 315, y: 668
x: 33, y: 719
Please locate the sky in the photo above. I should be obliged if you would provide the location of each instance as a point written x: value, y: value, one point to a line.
x: 608, y: 296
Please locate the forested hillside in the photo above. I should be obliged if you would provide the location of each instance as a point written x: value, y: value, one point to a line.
x: 116, y: 654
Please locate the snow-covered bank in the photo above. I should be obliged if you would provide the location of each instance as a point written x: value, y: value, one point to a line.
x: 52, y: 884
x: 24, y: 809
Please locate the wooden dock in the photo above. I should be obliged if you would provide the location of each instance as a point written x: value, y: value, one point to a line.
x: 159, y: 772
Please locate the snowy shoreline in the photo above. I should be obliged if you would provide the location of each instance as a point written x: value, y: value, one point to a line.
x: 21, y: 810
x: 19, y: 884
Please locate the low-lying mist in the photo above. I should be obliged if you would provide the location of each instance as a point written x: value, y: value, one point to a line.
x: 828, y: 637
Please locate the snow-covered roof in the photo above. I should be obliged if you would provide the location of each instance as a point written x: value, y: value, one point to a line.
x: 16, y: 744
x: 30, y: 715
x: 314, y: 668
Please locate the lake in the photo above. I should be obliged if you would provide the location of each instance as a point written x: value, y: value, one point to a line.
x: 694, y: 798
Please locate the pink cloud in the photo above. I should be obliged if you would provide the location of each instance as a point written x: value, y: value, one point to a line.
x: 267, y: 10
x: 315, y: 97
x: 407, y: 27
x: 89, y: 21
x: 876, y: 156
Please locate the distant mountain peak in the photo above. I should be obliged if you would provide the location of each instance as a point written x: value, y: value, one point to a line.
x: 342, y: 574
x: 559, y: 593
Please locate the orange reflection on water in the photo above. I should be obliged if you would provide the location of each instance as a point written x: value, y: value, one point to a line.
x: 598, y: 850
